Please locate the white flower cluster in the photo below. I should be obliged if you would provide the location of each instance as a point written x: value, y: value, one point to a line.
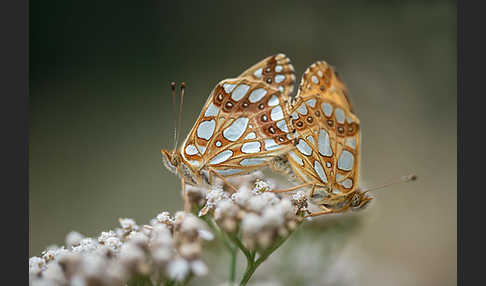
x: 169, y: 249
x: 259, y: 216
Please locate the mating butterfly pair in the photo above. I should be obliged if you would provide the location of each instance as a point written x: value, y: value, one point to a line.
x: 251, y: 122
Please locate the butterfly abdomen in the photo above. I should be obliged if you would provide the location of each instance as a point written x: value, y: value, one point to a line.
x: 282, y: 165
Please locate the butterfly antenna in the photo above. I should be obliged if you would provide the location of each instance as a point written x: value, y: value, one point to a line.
x: 179, y: 120
x: 403, y: 179
x: 174, y: 111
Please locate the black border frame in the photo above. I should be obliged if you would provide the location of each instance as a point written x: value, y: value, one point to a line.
x: 470, y: 187
x: 459, y: 141
x: 14, y: 118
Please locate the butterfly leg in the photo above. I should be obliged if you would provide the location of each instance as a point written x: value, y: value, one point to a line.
x: 293, y: 188
x: 326, y: 211
x: 312, y: 191
x: 224, y: 180
x: 320, y: 213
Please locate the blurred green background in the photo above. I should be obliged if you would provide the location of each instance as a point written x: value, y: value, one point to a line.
x: 100, y: 112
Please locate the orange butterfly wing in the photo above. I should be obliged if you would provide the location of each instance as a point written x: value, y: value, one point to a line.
x: 243, y: 125
x: 320, y: 78
x: 327, y: 133
x: 276, y: 71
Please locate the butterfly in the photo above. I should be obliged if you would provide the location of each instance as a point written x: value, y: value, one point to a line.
x: 327, y: 142
x: 243, y: 126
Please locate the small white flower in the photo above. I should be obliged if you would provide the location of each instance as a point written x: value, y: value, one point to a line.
x: 113, y: 243
x: 190, y: 250
x: 191, y: 224
x: 242, y: 196
x: 53, y: 252
x: 251, y: 223
x: 161, y: 235
x: 162, y: 255
x: 299, y: 199
x: 265, y: 238
x: 225, y: 208
x: 78, y: 280
x: 115, y: 273
x: 299, y: 196
x: 86, y: 245
x: 179, y: 216
x: 73, y: 238
x: 54, y: 273
x: 128, y: 223
x: 36, y: 265
x: 165, y: 218
x: 153, y: 221
x: 257, y: 204
x: 215, y: 194
x: 199, y: 268
x: 120, y: 232
x: 93, y: 266
x: 138, y: 238
x: 270, y: 198
x: 178, y: 269
x: 131, y: 256
x: 286, y: 206
x: 42, y: 282
x: 261, y: 186
x: 273, y: 216
x: 206, y: 234
x: 70, y: 262
x: 106, y: 235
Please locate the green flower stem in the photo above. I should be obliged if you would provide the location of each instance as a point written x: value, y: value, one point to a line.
x: 188, y: 278
x: 234, y: 255
x: 214, y: 227
x: 227, y: 242
x: 140, y: 280
x: 240, y: 245
x: 253, y: 264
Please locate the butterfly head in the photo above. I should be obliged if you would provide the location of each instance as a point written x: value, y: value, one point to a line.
x: 171, y: 160
x: 359, y: 200
x: 174, y: 162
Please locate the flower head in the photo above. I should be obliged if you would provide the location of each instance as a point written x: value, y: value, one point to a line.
x: 171, y: 246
